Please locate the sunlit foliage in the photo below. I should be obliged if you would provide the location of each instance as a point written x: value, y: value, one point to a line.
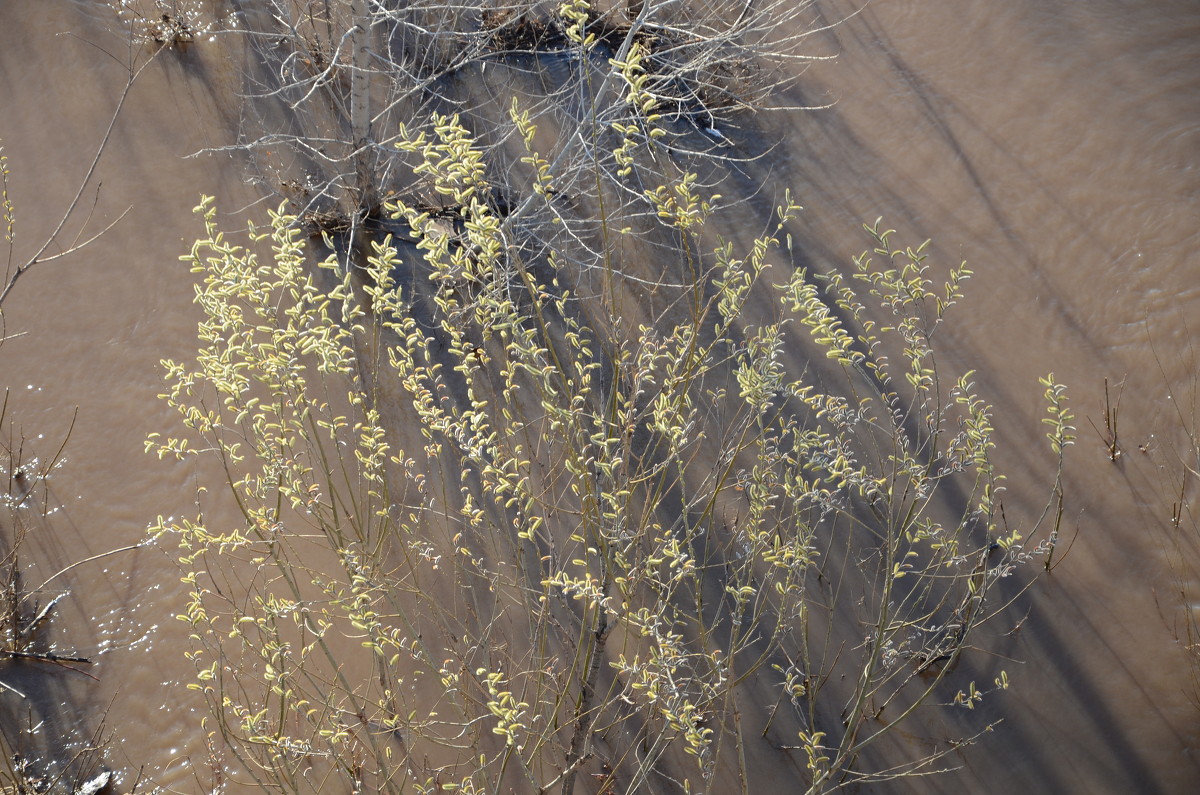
x: 492, y: 535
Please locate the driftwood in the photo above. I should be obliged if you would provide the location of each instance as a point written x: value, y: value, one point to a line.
x: 43, y: 657
x: 24, y: 632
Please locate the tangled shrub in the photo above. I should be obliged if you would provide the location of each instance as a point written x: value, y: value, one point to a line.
x: 496, y: 537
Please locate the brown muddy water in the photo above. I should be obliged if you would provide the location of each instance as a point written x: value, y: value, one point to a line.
x: 1052, y: 145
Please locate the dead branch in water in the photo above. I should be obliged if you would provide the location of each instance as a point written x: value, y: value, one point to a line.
x: 14, y: 270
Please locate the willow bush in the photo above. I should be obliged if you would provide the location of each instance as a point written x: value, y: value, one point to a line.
x: 548, y: 479
x: 493, y: 539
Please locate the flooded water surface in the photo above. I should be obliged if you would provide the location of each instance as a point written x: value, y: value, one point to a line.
x: 1051, y: 145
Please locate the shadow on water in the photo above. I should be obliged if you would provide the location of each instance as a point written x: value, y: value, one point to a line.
x: 52, y: 720
x: 839, y: 160
x: 1079, y: 719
